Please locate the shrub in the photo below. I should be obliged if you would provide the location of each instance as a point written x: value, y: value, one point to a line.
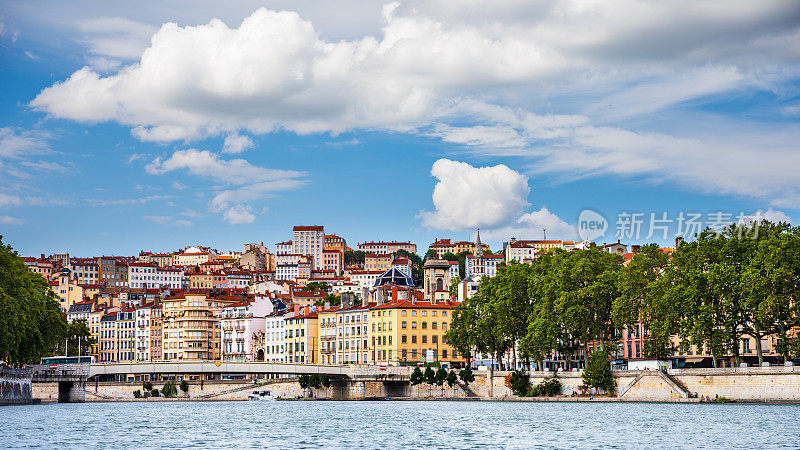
x: 466, y: 376
x: 154, y: 393
x: 184, y: 386
x: 598, y: 373
x: 304, y: 381
x: 137, y: 394
x: 441, y: 376
x: 314, y: 381
x: 169, y: 389
x: 722, y: 399
x: 148, y: 386
x: 452, y: 378
x: 325, y: 381
x: 549, y: 387
x: 519, y: 382
x: 430, y: 375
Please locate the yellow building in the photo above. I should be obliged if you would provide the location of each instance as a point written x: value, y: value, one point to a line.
x: 66, y: 289
x: 442, y: 246
x: 302, y: 339
x: 191, y: 329
x: 378, y: 262
x: 409, y: 331
x: 327, y: 336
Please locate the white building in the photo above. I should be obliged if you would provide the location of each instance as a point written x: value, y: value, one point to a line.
x: 522, y: 250
x: 80, y: 311
x: 193, y: 256
x: 490, y: 261
x: 282, y: 248
x: 403, y: 265
x: 274, y: 334
x: 147, y: 275
x: 144, y: 332
x: 365, y: 278
x: 240, y: 322
x: 309, y: 240
x: 286, y: 271
x: 454, y: 270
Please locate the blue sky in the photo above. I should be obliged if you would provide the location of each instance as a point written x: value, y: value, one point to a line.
x: 403, y: 121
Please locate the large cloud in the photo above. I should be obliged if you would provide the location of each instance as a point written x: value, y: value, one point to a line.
x: 472, y: 197
x: 575, y: 78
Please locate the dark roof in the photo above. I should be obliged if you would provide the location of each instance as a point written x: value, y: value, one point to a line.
x: 80, y: 308
x: 393, y: 277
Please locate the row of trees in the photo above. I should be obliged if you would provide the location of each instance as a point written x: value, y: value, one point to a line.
x: 441, y: 376
x: 710, y: 292
x: 32, y: 324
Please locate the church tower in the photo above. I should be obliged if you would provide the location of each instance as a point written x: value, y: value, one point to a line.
x: 478, y: 261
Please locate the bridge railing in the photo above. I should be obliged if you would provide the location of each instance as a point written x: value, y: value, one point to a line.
x: 15, y: 372
x: 61, y: 371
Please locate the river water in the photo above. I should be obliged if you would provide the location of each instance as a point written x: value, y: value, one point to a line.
x: 395, y: 424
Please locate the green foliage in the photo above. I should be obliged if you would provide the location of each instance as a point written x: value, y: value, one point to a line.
x: 549, y: 387
x: 325, y: 381
x: 430, y: 254
x: 417, y: 377
x: 304, y: 381
x: 147, y: 386
x: 154, y: 393
x: 32, y: 324
x: 722, y: 400
x: 454, y: 287
x: 441, y: 376
x: 169, y: 389
x: 137, y: 394
x: 332, y: 299
x: 354, y: 258
x: 430, y: 375
x: 519, y: 382
x: 314, y: 381
x: 184, y: 386
x: 466, y: 375
x: 598, y: 373
x: 452, y: 378
x: 316, y: 286
x: 416, y: 265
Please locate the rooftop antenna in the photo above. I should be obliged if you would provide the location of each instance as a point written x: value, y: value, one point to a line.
x: 544, y: 231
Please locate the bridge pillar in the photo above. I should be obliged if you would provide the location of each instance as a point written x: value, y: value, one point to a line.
x: 71, y: 391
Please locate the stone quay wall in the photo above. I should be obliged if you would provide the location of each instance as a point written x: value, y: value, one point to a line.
x: 752, y: 384
x: 15, y: 386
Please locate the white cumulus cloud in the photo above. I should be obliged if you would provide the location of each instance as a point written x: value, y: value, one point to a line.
x: 237, y: 143
x: 473, y: 197
x: 239, y: 214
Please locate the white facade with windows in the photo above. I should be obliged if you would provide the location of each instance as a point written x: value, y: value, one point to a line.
x: 145, y: 275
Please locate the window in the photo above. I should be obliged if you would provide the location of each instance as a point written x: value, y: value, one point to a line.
x: 433, y: 325
x: 424, y: 339
x: 444, y: 325
x: 413, y: 338
x: 414, y: 353
x: 403, y: 324
x: 434, y: 339
x: 424, y: 325
x: 444, y: 313
x: 413, y: 313
x: 403, y: 339
x: 403, y: 313
x: 444, y: 353
x: 405, y: 352
x: 413, y: 325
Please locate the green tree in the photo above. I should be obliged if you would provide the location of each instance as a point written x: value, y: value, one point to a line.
x: 441, y: 376
x: 169, y: 389
x: 332, y: 299
x: 417, y: 377
x: 184, y: 386
x: 416, y: 265
x: 304, y: 381
x: 598, y: 373
x: 314, y: 381
x: 452, y: 378
x: 77, y: 334
x: 316, y: 286
x: 354, y: 258
x: 466, y: 376
x: 454, y: 287
x: 325, y: 381
x: 31, y: 321
x: 642, y: 298
x: 147, y: 386
x: 462, y: 334
x: 519, y: 382
x: 137, y: 394
x: 430, y: 254
x: 430, y: 376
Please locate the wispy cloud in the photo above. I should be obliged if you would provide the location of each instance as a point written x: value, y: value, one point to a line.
x: 127, y: 201
x: 8, y: 220
x: 168, y: 220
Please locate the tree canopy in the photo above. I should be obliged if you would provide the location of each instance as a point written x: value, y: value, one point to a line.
x: 31, y: 321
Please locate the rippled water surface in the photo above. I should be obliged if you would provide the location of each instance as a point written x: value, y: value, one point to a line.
x: 412, y: 424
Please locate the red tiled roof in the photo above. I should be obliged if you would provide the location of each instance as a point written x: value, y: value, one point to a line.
x: 417, y: 305
x: 307, y: 228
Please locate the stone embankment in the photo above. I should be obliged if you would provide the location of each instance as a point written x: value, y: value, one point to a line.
x: 753, y: 384
x: 15, y: 386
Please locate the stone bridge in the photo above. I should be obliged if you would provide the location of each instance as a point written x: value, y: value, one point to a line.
x: 72, y: 378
